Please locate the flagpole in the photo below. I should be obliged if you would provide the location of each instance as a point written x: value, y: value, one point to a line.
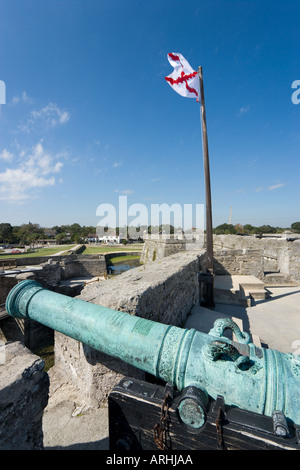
x: 209, y: 236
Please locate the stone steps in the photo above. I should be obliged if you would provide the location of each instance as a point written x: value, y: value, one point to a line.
x: 238, y: 290
x: 275, y: 278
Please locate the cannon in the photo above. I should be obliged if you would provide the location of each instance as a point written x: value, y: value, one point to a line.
x: 203, y: 366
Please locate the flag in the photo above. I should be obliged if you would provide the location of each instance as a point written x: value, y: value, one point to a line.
x: 184, y: 80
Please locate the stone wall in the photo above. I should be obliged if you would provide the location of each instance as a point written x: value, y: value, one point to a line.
x: 49, y: 275
x: 6, y: 284
x: 24, y: 388
x: 157, y: 249
x: 273, y: 260
x: 54, y: 270
x: 239, y: 263
x: 236, y: 262
x: 36, y: 260
x: 83, y: 266
x: 32, y: 334
x: 91, y: 372
x: 278, y: 255
x: 164, y: 291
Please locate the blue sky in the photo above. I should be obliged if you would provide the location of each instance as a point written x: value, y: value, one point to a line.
x: 89, y: 116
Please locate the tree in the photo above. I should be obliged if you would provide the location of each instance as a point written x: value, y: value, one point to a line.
x: 60, y: 237
x: 6, y: 233
x: 296, y: 227
x: 248, y: 228
x: 266, y: 229
x: 76, y: 238
x: 57, y: 229
x: 29, y: 234
x: 225, y: 229
x: 239, y: 228
x: 32, y: 238
x: 75, y: 229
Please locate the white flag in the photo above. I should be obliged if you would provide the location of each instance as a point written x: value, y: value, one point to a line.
x: 184, y: 80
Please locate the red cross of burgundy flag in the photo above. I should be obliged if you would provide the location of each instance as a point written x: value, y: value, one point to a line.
x: 184, y: 80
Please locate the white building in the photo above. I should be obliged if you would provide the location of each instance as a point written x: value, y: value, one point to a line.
x: 110, y: 239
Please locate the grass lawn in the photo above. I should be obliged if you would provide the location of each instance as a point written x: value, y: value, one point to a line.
x: 118, y: 259
x: 89, y: 250
x: 39, y: 252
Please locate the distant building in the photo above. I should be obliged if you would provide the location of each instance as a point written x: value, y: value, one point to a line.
x: 49, y: 232
x: 93, y: 238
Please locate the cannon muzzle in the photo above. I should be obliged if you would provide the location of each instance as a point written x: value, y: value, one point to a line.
x: 260, y: 380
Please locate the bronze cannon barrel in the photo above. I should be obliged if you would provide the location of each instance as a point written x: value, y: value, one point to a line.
x: 251, y: 378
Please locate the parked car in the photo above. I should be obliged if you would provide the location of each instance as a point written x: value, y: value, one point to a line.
x: 15, y: 251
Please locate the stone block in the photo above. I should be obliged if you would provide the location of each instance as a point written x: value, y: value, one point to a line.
x: 24, y: 388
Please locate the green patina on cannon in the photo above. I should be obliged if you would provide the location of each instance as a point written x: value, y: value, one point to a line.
x: 204, y: 366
